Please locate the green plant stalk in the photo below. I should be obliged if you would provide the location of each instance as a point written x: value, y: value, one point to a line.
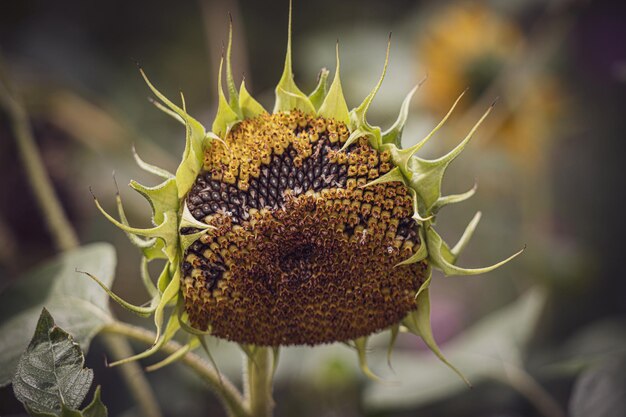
x: 226, y: 391
x: 258, y: 382
x: 518, y: 379
x: 58, y: 225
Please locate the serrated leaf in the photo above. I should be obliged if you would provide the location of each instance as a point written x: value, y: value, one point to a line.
x: 50, y: 374
x: 78, y: 304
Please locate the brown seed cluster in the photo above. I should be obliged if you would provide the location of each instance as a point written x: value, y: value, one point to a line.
x: 302, y: 252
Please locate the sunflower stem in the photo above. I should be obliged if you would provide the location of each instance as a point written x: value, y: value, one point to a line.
x: 259, y: 382
x: 57, y: 223
x: 520, y: 380
x: 229, y: 395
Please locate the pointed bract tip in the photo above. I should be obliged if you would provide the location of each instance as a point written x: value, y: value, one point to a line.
x: 92, y: 193
x: 117, y: 189
x: 422, y: 81
x: 494, y: 102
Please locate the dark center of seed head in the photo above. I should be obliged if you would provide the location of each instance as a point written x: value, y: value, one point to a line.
x: 209, y: 196
x: 296, y: 258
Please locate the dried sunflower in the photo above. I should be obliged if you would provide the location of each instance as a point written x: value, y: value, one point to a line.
x: 302, y: 226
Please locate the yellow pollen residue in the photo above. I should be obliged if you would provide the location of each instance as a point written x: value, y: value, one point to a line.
x: 252, y: 143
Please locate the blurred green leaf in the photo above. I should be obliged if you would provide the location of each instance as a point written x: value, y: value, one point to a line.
x: 78, y: 304
x: 589, y: 346
x: 601, y: 390
x: 479, y: 352
x: 50, y: 379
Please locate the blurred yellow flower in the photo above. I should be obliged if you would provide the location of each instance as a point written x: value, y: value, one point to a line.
x: 467, y: 46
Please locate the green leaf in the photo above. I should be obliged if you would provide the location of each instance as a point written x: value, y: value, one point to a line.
x: 480, y: 352
x: 78, y: 304
x: 50, y: 374
x: 96, y: 408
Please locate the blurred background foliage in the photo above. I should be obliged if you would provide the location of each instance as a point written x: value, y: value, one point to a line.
x: 543, y: 335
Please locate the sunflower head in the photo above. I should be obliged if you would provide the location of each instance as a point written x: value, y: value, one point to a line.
x: 302, y: 226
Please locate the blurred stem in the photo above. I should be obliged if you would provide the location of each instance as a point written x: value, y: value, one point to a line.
x: 225, y: 390
x: 8, y: 247
x: 525, y: 384
x: 259, y: 382
x: 120, y: 349
x: 60, y: 228
x: 58, y: 225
